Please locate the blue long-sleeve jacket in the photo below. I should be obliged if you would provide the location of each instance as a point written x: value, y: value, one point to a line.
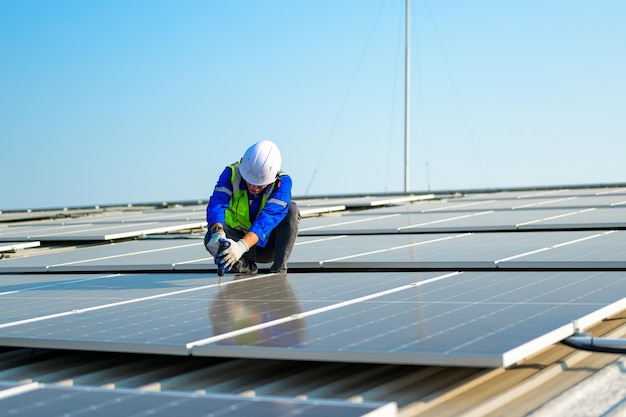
x: 263, y: 221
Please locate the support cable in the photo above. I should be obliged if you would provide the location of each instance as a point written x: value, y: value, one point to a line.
x: 345, y: 98
x: 457, y: 96
x: 596, y: 344
x: 393, y: 106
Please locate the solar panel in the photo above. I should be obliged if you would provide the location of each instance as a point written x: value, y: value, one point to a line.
x: 133, y: 294
x: 459, y: 251
x: 39, y: 399
x: 361, y: 202
x: 39, y: 297
x: 431, y: 318
x: 548, y: 193
x: 377, y: 221
x: 515, y: 201
x: 461, y: 204
x: 118, y: 217
x: 94, y: 232
x: 27, y: 215
x: 166, y: 311
x: 605, y: 250
x: 601, y: 218
x: 469, y: 319
x: 16, y: 283
x: 145, y: 254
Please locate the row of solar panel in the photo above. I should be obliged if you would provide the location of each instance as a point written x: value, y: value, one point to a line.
x: 484, y: 319
x: 35, y: 399
x: 488, y: 213
x: 582, y: 249
x: 378, y: 221
x: 563, y: 197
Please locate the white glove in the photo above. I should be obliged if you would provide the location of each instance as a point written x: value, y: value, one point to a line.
x: 213, y: 245
x: 234, y: 252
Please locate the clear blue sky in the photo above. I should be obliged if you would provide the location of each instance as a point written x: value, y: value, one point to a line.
x: 116, y: 101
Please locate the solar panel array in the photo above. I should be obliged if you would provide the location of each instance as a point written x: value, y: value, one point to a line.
x: 38, y: 399
x: 479, y: 280
x: 601, y: 249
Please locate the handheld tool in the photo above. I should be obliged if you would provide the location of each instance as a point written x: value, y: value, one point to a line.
x: 220, y: 267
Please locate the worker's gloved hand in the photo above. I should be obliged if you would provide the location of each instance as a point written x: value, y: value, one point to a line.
x: 232, y: 251
x: 213, y: 245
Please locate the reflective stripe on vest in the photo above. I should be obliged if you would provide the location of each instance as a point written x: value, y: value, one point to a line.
x: 238, y: 214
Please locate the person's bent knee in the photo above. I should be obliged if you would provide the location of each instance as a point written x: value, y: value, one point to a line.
x: 293, y: 212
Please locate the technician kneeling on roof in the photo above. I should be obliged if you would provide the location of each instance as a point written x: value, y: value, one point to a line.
x: 251, y: 216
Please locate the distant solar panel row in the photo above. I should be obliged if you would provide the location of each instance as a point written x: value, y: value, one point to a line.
x: 413, y: 214
x: 583, y: 249
x: 403, y: 220
x: 93, y: 232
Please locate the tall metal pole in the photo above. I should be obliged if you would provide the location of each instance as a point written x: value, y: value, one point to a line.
x: 407, y: 89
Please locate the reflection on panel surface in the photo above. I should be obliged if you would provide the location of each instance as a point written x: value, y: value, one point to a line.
x: 471, y: 319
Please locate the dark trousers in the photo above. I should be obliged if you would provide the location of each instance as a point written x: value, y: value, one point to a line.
x: 279, y: 244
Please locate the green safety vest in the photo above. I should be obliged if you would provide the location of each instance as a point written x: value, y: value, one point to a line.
x: 238, y: 214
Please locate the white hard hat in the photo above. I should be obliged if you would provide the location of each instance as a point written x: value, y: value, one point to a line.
x: 261, y: 163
